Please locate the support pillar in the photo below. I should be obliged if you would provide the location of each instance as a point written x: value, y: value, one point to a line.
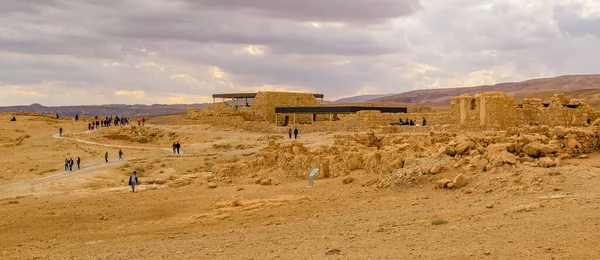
x: 294, y: 118
x: 330, y: 117
x: 275, y: 119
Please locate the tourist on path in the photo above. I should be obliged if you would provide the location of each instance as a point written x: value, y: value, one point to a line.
x: 177, y: 146
x: 290, y: 133
x: 120, y: 155
x: 174, y: 146
x: 143, y: 121
x: 71, y: 164
x: 60, y: 132
x: 139, y: 122
x: 78, y: 163
x: 295, y: 133
x: 66, y: 164
x: 106, y: 156
x: 424, y: 121
x: 133, y: 180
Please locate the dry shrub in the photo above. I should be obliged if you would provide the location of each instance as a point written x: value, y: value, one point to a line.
x: 438, y: 222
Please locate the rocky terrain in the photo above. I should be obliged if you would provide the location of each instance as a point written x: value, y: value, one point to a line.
x: 522, y: 193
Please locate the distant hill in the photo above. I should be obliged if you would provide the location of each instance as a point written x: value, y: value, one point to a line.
x: 105, y: 110
x: 574, y: 86
x: 361, y: 98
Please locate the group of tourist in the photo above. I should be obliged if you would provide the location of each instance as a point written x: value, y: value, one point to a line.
x: 411, y: 122
x: 108, y: 122
x: 69, y: 164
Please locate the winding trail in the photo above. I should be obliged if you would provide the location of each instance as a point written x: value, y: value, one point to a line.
x: 89, y: 168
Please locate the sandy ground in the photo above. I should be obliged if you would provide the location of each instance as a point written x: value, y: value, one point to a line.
x: 48, y: 213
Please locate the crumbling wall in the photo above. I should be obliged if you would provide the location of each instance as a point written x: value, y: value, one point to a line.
x: 558, y: 111
x: 265, y: 102
x: 465, y: 111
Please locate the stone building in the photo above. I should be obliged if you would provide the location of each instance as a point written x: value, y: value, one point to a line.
x: 496, y: 110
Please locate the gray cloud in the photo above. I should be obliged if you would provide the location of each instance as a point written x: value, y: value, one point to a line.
x: 141, y: 51
x: 354, y: 11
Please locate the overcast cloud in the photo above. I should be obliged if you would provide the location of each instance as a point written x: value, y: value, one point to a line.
x: 68, y: 52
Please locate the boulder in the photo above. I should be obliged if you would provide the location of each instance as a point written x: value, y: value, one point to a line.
x: 572, y: 144
x: 546, y: 162
x: 436, y: 169
x: 526, y: 159
x: 509, y: 158
x: 537, y: 149
x: 443, y: 183
x: 348, y: 180
x: 481, y: 164
x: 463, y: 147
x: 447, y: 150
x: 460, y: 181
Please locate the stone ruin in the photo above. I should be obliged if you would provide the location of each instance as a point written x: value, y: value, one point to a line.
x: 482, y: 111
x: 481, y: 133
x: 496, y: 110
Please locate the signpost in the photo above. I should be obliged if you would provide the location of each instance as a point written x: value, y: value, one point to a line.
x: 311, y: 175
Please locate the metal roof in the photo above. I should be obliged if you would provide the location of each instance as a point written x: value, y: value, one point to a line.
x: 248, y: 95
x: 336, y: 109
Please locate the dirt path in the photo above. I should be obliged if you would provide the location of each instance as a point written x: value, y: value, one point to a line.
x: 27, y: 186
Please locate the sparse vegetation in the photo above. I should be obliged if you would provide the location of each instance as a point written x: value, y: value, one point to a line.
x: 438, y: 222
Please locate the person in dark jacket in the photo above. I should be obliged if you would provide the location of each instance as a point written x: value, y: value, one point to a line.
x: 60, y: 132
x: 295, y: 133
x: 133, y: 180
x: 78, y: 163
x: 290, y: 133
x: 177, y: 146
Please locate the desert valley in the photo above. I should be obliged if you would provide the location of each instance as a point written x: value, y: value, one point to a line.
x: 488, y: 176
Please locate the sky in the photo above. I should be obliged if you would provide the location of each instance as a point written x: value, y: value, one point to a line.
x: 72, y: 52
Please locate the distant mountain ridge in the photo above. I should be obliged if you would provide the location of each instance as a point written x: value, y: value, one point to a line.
x: 105, y: 110
x: 571, y: 85
x: 361, y: 98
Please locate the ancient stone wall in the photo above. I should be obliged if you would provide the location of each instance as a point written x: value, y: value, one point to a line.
x: 265, y: 102
x: 496, y: 110
x: 555, y: 112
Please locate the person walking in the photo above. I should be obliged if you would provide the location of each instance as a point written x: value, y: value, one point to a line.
x: 133, y: 180
x: 71, y: 164
x: 120, y: 155
x: 106, y: 156
x: 295, y: 133
x: 139, y: 122
x: 78, y: 163
x: 290, y: 133
x: 66, y: 164
x: 89, y: 126
x: 60, y: 132
x: 177, y: 146
x: 143, y: 121
x: 174, y: 147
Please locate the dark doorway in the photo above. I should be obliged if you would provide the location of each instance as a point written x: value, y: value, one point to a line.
x: 286, y: 120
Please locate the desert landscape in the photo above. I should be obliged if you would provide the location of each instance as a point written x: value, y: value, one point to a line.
x: 485, y: 178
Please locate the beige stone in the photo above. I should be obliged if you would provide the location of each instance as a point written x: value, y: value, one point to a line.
x: 460, y: 181
x: 546, y: 162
